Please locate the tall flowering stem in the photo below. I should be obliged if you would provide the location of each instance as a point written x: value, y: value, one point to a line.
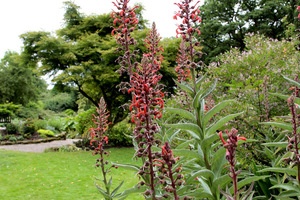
x: 148, y: 102
x: 294, y: 141
x: 189, y: 15
x: 183, y: 61
x: 165, y: 165
x: 231, y: 145
x: 99, y: 139
x: 125, y: 22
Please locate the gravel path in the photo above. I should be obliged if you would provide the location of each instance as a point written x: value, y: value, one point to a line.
x: 38, y: 148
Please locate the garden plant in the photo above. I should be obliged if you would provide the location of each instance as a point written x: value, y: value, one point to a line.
x: 195, y: 166
x: 222, y: 127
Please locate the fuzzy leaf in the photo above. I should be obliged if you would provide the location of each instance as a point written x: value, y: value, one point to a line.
x: 209, y: 140
x: 285, y: 97
x: 247, y: 181
x: 215, y: 110
x: 185, y: 87
x: 213, y: 128
x: 204, y: 173
x: 291, y: 172
x: 292, y: 81
x: 220, y: 182
x: 186, y: 126
x: 103, y: 192
x: 276, y: 144
x: 186, y: 153
x: 183, y: 113
x: 280, y: 125
x: 127, y: 166
x: 286, y: 187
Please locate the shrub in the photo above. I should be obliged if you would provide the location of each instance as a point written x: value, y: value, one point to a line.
x: 12, y: 139
x: 119, y: 134
x: 68, y: 148
x: 40, y: 124
x: 28, y: 128
x: 45, y: 133
x: 12, y: 128
x: 84, y: 144
x: 56, y: 123
x: 60, y: 102
x: 83, y: 121
x: 20, y: 137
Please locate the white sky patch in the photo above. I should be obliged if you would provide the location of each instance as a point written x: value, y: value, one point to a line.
x: 21, y: 16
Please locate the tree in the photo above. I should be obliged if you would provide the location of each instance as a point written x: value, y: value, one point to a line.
x: 83, y: 56
x: 226, y: 22
x: 19, y: 84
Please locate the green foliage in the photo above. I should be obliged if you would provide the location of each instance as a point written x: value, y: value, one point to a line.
x: 12, y: 128
x: 119, y: 135
x: 12, y: 139
x: 250, y: 76
x: 45, y: 133
x: 55, y: 124
x: 83, y: 54
x: 60, y: 102
x: 9, y: 110
x: 83, y: 121
x: 28, y: 128
x: 40, y: 123
x: 225, y: 23
x: 68, y: 148
x: 19, y: 84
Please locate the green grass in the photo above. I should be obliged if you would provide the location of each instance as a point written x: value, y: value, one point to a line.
x: 59, y: 175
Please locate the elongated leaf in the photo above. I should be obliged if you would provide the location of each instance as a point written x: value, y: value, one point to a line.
x: 183, y: 113
x: 276, y: 144
x: 198, y: 194
x: 186, y: 153
x: 221, y: 181
x: 202, y: 94
x: 285, y: 97
x: 291, y: 172
x: 185, y: 87
x: 219, y: 162
x: 199, y: 81
x: 134, y: 189
x: 184, y: 144
x: 292, y: 81
x: 186, y: 126
x: 109, y: 183
x: 127, y: 166
x: 201, y: 173
x: 215, y: 110
x: 279, y: 125
x: 289, y: 193
x: 171, y: 135
x: 286, y: 187
x: 205, y: 186
x: 103, y: 192
x: 213, y: 128
x: 209, y: 140
x: 247, y: 181
x: 116, y: 189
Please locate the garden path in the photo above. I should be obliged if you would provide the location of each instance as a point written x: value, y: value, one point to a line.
x: 38, y: 148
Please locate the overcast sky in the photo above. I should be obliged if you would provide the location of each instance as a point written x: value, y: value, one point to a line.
x: 20, y: 16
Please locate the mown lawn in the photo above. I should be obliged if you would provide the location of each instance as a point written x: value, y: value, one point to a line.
x: 59, y: 175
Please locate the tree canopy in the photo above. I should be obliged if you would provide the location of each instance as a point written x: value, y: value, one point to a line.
x: 19, y: 83
x: 226, y: 22
x: 83, y: 54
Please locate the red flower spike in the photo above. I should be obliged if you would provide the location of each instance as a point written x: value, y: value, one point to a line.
x: 220, y: 134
